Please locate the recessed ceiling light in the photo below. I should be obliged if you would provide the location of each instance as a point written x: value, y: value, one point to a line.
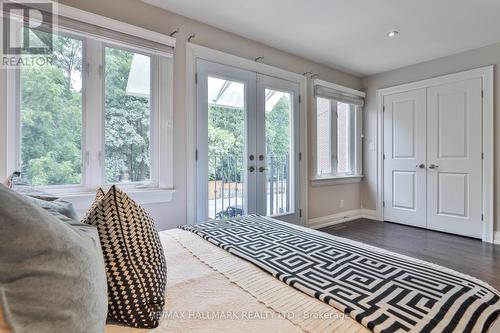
x: 392, y: 33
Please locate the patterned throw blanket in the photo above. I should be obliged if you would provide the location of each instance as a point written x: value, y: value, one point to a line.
x: 383, y: 291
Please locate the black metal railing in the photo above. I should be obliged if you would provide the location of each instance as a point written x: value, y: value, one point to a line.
x: 227, y: 192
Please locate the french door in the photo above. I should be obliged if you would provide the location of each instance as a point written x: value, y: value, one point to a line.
x: 432, y: 157
x: 247, y: 144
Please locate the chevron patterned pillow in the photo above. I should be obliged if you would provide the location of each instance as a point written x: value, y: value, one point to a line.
x: 135, y: 263
x: 98, y: 196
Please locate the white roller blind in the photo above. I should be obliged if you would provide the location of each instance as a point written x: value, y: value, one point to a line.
x: 69, y: 23
x: 338, y: 95
x: 112, y: 36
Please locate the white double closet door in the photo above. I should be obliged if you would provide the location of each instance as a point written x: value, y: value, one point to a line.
x: 433, y: 157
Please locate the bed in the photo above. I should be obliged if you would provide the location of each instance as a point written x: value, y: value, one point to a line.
x: 197, y: 293
x: 213, y: 286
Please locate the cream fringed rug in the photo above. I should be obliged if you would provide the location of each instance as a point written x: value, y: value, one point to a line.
x: 308, y: 313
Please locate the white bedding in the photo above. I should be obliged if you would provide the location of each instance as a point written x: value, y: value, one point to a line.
x: 197, y: 294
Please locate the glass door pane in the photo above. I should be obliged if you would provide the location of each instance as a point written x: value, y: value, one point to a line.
x: 226, y: 148
x: 226, y: 163
x: 277, y: 145
x: 278, y: 114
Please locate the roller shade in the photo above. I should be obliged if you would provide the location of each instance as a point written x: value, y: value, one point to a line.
x: 340, y: 96
x: 66, y: 21
x: 112, y: 36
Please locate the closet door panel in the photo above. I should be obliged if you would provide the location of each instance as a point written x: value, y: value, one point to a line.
x: 454, y: 117
x: 405, y: 156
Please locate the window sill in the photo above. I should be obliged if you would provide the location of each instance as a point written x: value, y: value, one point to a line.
x: 335, y: 180
x: 83, y: 200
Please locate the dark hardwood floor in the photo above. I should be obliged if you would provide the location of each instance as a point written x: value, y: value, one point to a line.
x: 466, y: 255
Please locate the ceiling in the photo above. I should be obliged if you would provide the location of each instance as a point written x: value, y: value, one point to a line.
x: 351, y: 34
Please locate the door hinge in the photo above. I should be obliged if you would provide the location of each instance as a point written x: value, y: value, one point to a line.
x: 384, y: 156
x: 482, y: 93
x: 383, y: 203
x: 196, y: 154
x: 195, y: 78
x: 383, y: 108
x: 300, y: 156
x: 482, y: 156
x: 300, y: 212
x: 482, y: 217
x: 300, y: 99
x: 86, y: 68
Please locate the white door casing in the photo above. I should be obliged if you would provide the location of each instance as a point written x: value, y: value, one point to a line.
x: 405, y: 157
x: 454, y: 148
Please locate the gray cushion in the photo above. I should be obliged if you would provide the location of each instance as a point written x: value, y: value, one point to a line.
x: 52, y: 276
x: 18, y: 184
x: 56, y: 206
x: 33, y: 192
x: 41, y: 198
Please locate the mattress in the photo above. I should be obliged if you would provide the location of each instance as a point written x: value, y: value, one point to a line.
x: 211, y: 290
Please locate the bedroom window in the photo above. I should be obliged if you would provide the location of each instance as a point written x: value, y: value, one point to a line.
x: 127, y: 116
x: 51, y: 116
x: 338, y: 120
x: 99, y: 114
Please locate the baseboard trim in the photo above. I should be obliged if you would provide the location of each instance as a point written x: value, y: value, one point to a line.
x: 496, y: 239
x: 329, y: 220
x: 369, y: 214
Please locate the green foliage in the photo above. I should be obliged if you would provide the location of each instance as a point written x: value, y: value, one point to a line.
x: 226, y: 138
x: 127, y: 123
x: 51, y: 120
x: 278, y: 133
x: 226, y: 130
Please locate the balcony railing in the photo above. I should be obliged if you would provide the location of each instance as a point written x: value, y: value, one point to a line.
x: 227, y: 189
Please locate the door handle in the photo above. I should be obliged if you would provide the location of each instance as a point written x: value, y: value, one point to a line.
x: 433, y: 166
x: 421, y: 166
x: 262, y: 169
x: 251, y: 169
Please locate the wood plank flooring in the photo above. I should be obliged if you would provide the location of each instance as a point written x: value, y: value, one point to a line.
x: 466, y: 255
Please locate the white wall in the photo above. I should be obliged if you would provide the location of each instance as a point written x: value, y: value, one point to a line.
x: 468, y: 60
x: 324, y: 200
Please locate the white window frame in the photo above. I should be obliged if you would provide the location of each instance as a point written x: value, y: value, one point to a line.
x: 160, y: 188
x: 356, y: 147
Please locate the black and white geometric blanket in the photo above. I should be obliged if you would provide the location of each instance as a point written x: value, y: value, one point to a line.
x: 383, y: 291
